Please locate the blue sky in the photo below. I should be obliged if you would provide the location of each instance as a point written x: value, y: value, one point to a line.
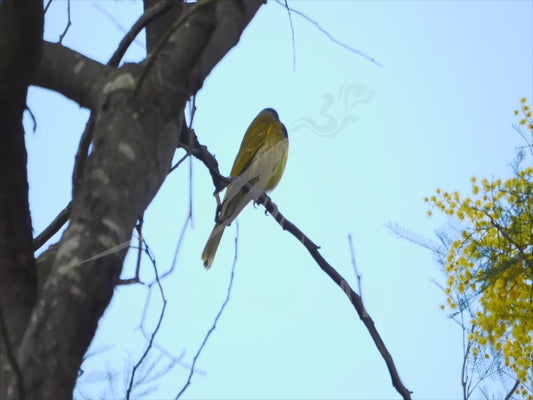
x: 438, y: 111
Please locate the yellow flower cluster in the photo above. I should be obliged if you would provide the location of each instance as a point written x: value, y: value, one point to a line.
x: 490, y: 266
x: 527, y: 115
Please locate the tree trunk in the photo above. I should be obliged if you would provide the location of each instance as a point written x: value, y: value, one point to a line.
x: 21, y: 31
x: 135, y: 131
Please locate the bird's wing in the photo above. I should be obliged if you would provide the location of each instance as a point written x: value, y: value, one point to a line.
x: 255, y: 137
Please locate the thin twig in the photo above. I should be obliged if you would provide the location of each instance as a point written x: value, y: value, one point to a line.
x: 329, y: 36
x: 32, y: 119
x: 510, y: 394
x: 173, y: 28
x: 292, y: 36
x: 86, y: 137
x: 464, y: 373
x: 188, y: 220
x: 121, y: 246
x: 220, y: 311
x: 175, y: 359
x: 192, y: 112
x: 509, y: 239
x: 69, y: 23
x: 140, y: 251
x: 191, y: 214
x: 46, y: 7
x: 526, y: 138
x: 178, y: 247
x: 354, y: 264
x: 199, y: 151
x: 179, y: 162
x: 52, y: 229
x: 139, y: 229
x: 190, y: 149
x: 158, y: 280
x: 147, y: 17
x: 83, y: 151
x: 152, y: 337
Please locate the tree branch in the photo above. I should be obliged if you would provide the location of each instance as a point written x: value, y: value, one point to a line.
x: 149, y: 15
x: 52, y: 228
x: 354, y: 298
x: 134, y: 140
x: 509, y: 395
x: 217, y: 317
x: 72, y: 74
x: 262, y: 198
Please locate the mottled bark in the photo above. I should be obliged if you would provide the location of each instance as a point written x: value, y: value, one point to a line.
x: 134, y: 136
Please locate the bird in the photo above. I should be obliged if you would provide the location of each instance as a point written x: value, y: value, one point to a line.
x: 259, y: 163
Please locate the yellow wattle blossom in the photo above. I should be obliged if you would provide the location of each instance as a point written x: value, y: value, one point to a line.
x: 491, y: 265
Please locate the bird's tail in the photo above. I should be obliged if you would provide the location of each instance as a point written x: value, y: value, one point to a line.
x: 210, y: 249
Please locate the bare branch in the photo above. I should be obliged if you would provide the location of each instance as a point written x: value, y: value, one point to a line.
x: 354, y: 264
x: 152, y: 337
x: 70, y: 73
x: 69, y: 24
x: 292, y: 36
x: 464, y: 372
x: 354, y: 298
x: 33, y: 120
x: 79, y: 163
x: 328, y: 35
x: 86, y: 137
x: 509, y: 395
x: 148, y: 16
x: 190, y: 143
x: 175, y: 26
x: 140, y: 251
x: 504, y: 233
x: 179, y: 162
x: 220, y: 311
x: 142, y: 132
x: 52, y: 229
x: 47, y: 5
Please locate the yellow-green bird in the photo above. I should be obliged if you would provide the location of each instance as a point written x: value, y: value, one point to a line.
x: 260, y: 163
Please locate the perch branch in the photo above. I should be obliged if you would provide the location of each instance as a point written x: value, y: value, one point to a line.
x: 354, y: 298
x: 262, y: 198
